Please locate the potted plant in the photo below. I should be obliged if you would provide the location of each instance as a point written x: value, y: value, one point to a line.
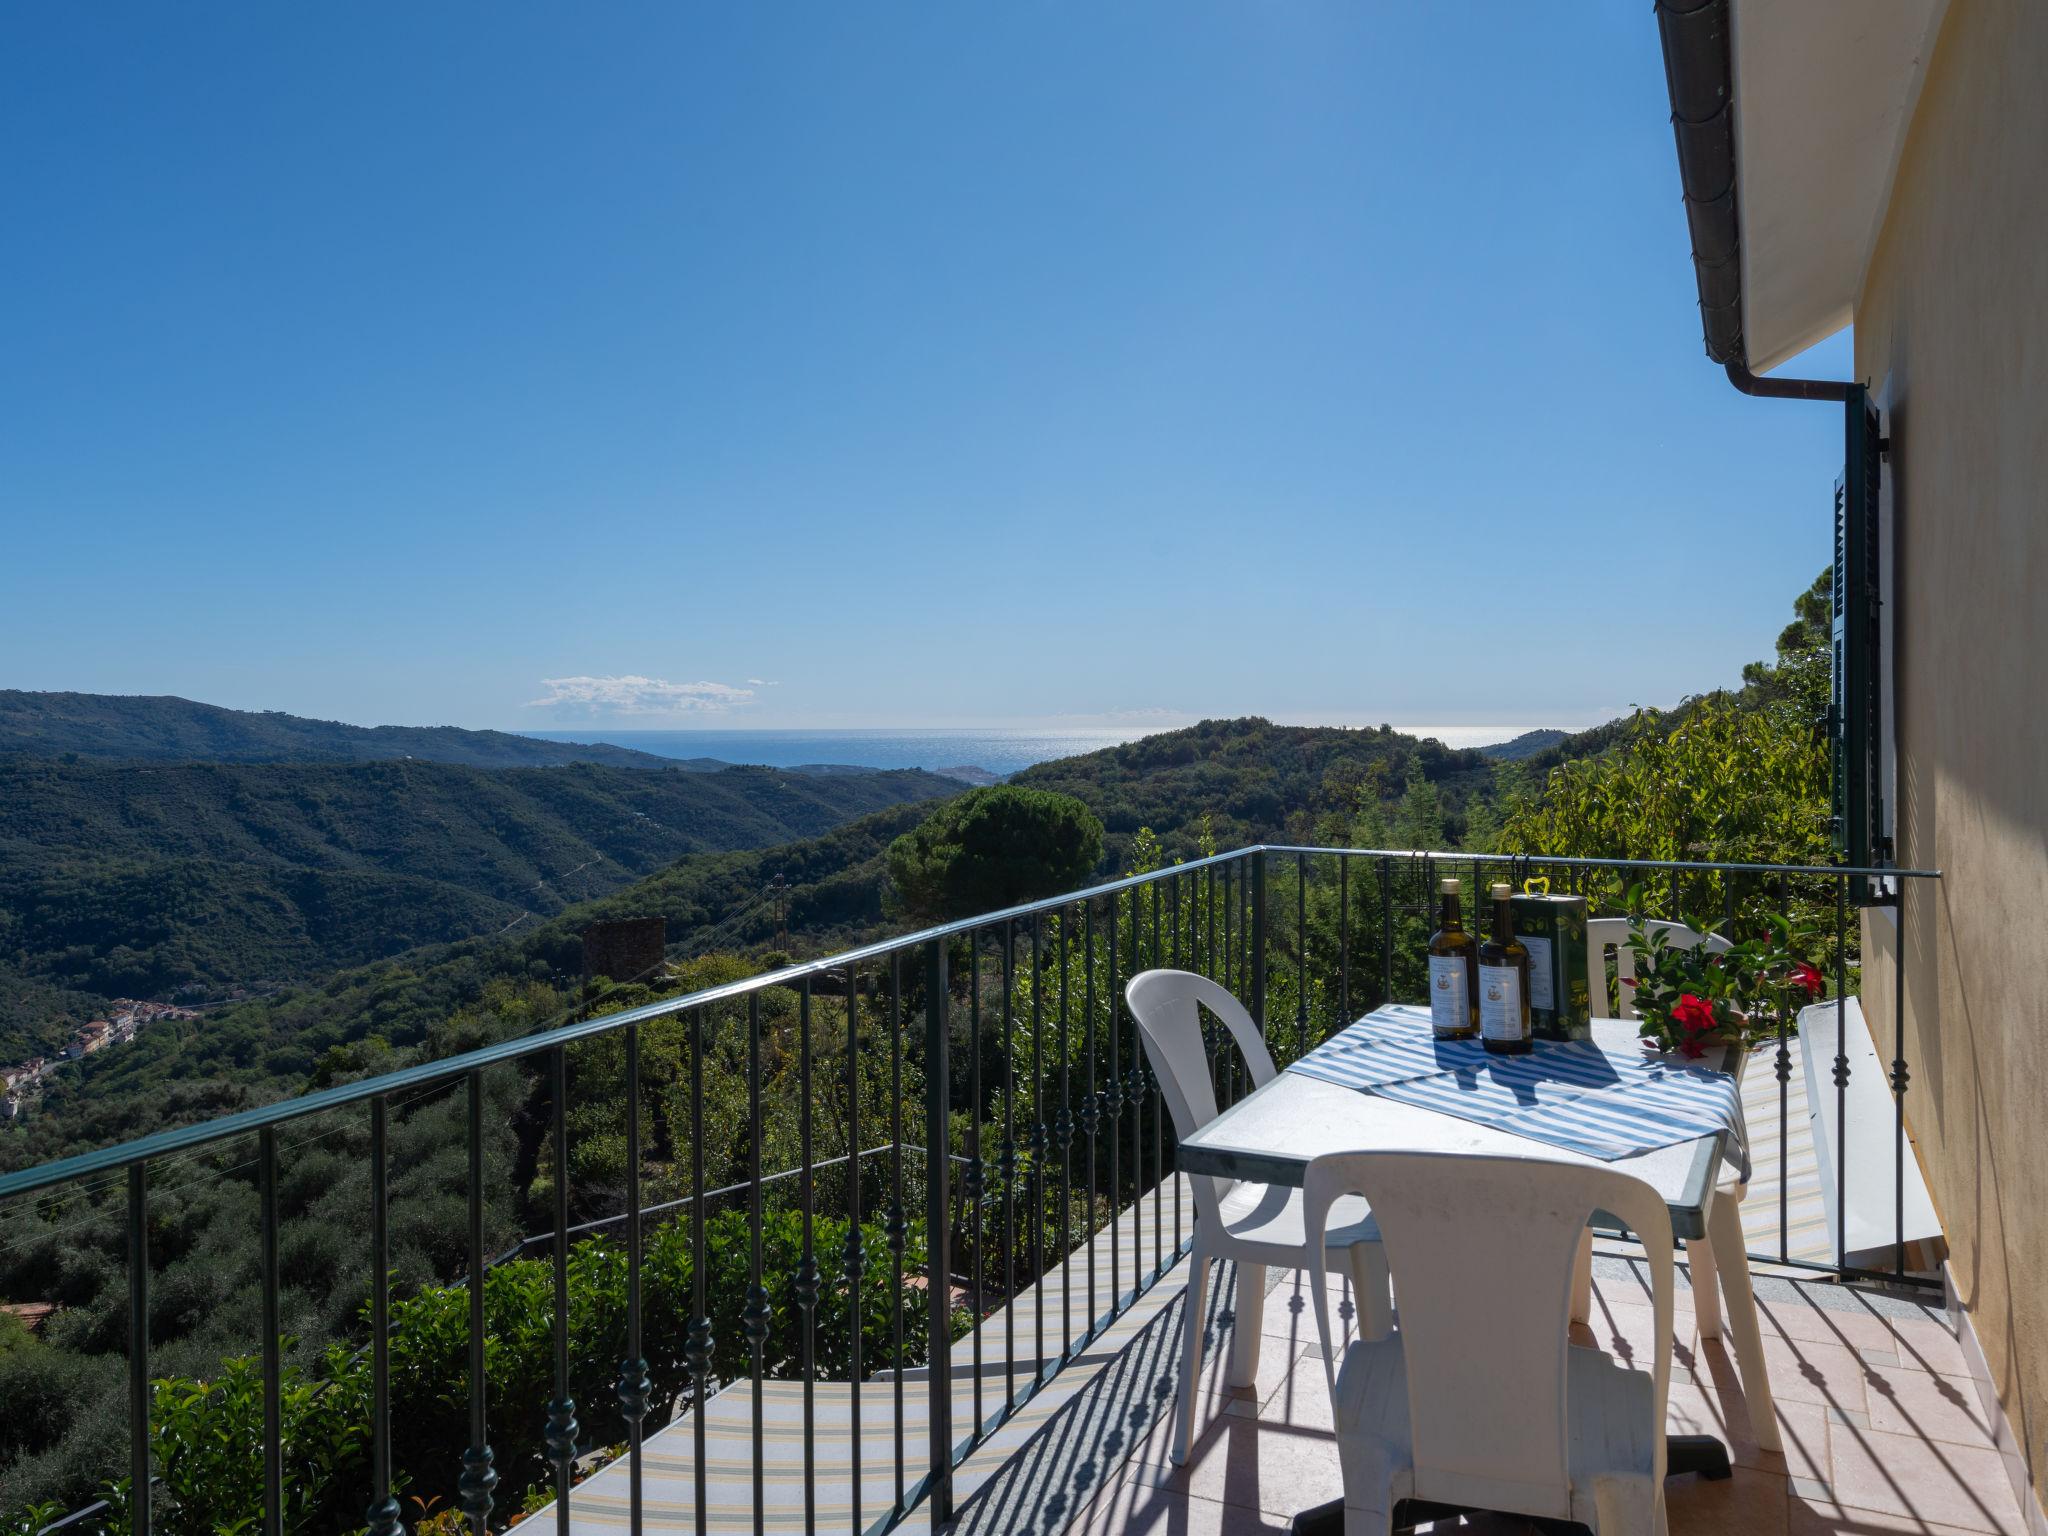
x: 1687, y: 1000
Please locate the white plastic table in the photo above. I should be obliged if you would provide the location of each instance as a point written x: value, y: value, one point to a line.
x: 1272, y: 1134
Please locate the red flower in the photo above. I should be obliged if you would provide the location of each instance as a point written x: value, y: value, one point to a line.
x: 1694, y: 1015
x: 1628, y: 981
x: 1693, y: 1012
x: 1807, y: 979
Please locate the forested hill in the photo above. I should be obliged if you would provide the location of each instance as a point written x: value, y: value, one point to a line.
x: 477, y: 849
x: 1528, y: 744
x: 277, y: 871
x: 450, y: 996
x: 1252, y: 781
x: 199, y: 880
x: 163, y: 729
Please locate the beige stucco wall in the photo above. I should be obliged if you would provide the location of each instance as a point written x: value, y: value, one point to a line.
x: 1955, y: 312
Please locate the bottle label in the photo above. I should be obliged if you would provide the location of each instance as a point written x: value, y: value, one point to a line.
x: 1450, y: 1008
x: 1500, y: 1002
x: 1542, y: 995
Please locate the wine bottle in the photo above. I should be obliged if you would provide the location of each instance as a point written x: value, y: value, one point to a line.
x: 1504, y: 982
x: 1453, y: 971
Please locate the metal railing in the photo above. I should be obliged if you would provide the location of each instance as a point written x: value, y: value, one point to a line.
x: 1706, y: 895
x: 1034, y: 1086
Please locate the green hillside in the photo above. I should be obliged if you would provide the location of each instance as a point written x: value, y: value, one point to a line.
x: 1615, y: 789
x: 203, y: 880
x: 164, y: 729
x: 1253, y: 781
x: 392, y: 1010
x: 1241, y: 780
x: 1528, y: 744
x: 506, y: 833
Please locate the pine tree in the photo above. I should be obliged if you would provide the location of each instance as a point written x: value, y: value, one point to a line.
x: 1420, y: 823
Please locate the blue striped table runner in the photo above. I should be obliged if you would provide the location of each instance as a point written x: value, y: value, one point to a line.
x: 1600, y: 1103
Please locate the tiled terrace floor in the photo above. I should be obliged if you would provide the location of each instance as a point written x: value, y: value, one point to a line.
x: 1880, y: 1422
x: 1881, y: 1426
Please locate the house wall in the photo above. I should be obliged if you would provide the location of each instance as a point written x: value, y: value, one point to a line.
x: 1955, y: 313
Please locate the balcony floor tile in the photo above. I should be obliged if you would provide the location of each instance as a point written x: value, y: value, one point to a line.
x: 1825, y: 1374
x: 1905, y: 1475
x: 1751, y: 1503
x: 1881, y: 1433
x: 1824, y: 1517
x: 1927, y: 1345
x: 1920, y: 1403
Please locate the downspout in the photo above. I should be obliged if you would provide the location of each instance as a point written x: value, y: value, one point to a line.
x: 1700, y: 74
x: 1786, y: 389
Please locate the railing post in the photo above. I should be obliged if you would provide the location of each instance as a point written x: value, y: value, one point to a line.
x: 273, y: 1349
x: 1386, y: 930
x: 561, y: 1431
x: 138, y: 1350
x: 632, y: 1386
x: 1343, y: 942
x: 856, y: 1253
x: 1841, y: 1072
x: 897, y: 1227
x: 972, y: 1186
x: 383, y: 1512
x: 1258, y: 940
x: 1900, y: 1078
x: 697, y: 1351
x: 479, y: 1475
x: 1300, y: 955
x: 757, y: 1313
x: 1782, y: 1065
x: 938, y: 1245
x: 808, y: 1285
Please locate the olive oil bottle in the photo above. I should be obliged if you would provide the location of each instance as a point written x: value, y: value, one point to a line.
x: 1504, y: 982
x: 1453, y: 971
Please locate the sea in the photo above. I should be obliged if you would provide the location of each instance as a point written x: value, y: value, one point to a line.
x: 1000, y: 752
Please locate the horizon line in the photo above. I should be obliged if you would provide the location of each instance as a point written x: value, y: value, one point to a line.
x: 1451, y: 733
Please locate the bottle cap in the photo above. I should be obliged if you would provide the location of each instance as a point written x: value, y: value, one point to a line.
x: 1448, y: 886
x: 1502, y: 890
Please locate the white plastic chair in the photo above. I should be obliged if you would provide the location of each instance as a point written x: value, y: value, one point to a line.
x: 1254, y: 1225
x: 1611, y: 933
x: 1479, y: 1398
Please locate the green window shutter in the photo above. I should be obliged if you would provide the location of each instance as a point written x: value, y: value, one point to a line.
x: 1855, y: 715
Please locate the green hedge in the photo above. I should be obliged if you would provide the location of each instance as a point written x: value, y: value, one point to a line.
x: 207, y: 1435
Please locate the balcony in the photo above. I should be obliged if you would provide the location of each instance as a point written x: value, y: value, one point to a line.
x: 1882, y: 1430
x: 982, y: 1155
x: 1881, y: 1425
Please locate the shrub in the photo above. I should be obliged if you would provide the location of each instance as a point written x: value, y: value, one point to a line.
x: 993, y: 848
x: 208, y: 1435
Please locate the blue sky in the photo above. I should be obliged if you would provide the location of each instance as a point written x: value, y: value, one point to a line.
x: 876, y: 365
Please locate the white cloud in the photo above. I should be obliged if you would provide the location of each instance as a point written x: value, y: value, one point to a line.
x: 592, y: 697
x: 761, y: 682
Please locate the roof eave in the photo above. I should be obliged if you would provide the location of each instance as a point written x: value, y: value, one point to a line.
x: 1699, y: 74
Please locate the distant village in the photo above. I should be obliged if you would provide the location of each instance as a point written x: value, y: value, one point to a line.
x: 19, y: 1085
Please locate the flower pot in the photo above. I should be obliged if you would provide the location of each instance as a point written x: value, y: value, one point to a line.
x: 1711, y: 1040
x: 1707, y: 1040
